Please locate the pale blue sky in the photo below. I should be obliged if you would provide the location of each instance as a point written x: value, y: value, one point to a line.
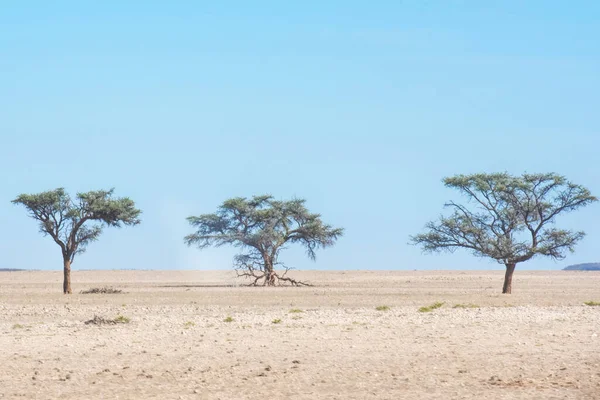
x: 359, y: 107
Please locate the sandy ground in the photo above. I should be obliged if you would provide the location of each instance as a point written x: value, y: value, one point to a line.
x: 539, y: 343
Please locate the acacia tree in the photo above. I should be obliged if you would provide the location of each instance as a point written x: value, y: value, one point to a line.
x: 64, y: 219
x: 262, y: 227
x: 510, y: 218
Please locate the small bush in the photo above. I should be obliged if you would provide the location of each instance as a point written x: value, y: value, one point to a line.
x: 431, y: 307
x: 276, y: 321
x: 189, y: 324
x: 296, y: 311
x: 592, y: 303
x: 122, y: 320
x: 102, y: 290
x: 465, y: 306
x: 382, y: 308
x: 105, y: 321
x: 228, y: 319
x: 18, y: 326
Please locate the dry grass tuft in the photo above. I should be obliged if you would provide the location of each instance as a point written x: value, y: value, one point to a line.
x: 592, y: 303
x: 431, y: 307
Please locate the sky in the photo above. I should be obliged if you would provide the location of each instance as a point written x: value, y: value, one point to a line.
x: 359, y: 107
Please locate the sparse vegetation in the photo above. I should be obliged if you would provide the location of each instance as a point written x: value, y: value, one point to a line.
x: 189, y: 324
x: 469, y: 305
x: 592, y: 303
x: 120, y: 319
x: 296, y: 311
x: 431, y: 307
x: 382, y: 308
x: 228, y: 319
x: 276, y: 321
x: 102, y: 290
x: 18, y: 326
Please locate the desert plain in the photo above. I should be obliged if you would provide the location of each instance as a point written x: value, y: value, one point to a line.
x: 353, y: 335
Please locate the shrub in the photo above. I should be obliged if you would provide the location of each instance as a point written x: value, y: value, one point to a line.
x: 102, y: 290
x: 431, y: 307
x: 106, y: 321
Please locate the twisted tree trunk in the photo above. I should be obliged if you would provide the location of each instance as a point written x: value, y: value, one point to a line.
x: 270, y: 275
x: 507, y: 288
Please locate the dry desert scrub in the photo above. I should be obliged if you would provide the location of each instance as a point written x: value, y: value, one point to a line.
x: 105, y: 321
x: 102, y: 290
x: 431, y: 307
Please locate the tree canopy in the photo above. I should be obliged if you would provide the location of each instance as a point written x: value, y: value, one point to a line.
x: 65, y: 219
x: 262, y: 226
x: 509, y: 218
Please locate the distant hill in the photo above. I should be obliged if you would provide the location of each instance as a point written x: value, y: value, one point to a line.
x: 583, y: 267
x: 10, y: 269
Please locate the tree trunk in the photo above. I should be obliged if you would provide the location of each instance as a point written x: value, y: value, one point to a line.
x: 270, y: 276
x: 67, y: 277
x: 507, y: 288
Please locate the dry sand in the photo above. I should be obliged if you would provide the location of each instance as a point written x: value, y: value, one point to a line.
x: 539, y: 343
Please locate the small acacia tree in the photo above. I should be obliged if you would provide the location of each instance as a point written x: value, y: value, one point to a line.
x: 510, y: 218
x: 262, y: 227
x: 64, y: 219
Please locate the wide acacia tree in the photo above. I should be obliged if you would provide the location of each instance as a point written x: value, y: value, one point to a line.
x: 509, y: 218
x: 262, y: 227
x: 75, y: 223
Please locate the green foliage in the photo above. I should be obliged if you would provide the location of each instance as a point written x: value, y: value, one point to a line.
x: 276, y: 321
x: 262, y: 227
x: 430, y: 308
x: 189, y: 324
x: 64, y: 219
x: 382, y: 308
x: 510, y: 218
x: 592, y: 303
x: 120, y: 319
x: 228, y: 319
x: 295, y: 311
x: 18, y: 326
